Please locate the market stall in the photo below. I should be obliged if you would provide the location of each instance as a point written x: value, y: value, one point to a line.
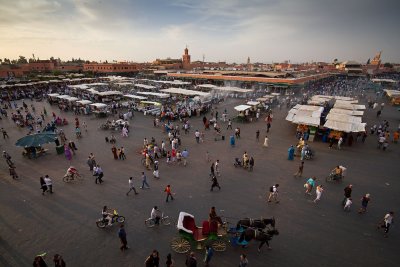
x: 99, y: 109
x: 242, y: 112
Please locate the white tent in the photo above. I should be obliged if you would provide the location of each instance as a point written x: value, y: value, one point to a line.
x: 145, y: 86
x: 349, y: 106
x: 99, y: 105
x: 108, y: 93
x: 233, y: 89
x: 208, y: 86
x: 345, y: 126
x: 242, y: 107
x: 253, y: 103
x: 347, y: 112
x: 62, y: 96
x: 53, y: 95
x: 181, y: 91
x: 159, y: 95
x: 136, y: 97
x: 343, y: 118
x: 71, y: 98
x: 84, y: 102
x: 305, y: 114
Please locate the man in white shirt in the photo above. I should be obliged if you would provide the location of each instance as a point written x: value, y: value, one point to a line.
x: 216, y: 166
x: 155, y: 215
x: 131, y: 186
x: 388, y: 219
x: 49, y: 184
x: 197, y: 135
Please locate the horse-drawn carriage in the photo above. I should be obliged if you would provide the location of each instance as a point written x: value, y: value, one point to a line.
x: 192, y: 235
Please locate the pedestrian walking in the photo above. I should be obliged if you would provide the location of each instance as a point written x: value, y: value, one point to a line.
x: 318, y: 192
x: 58, y: 261
x: 209, y: 252
x: 67, y: 152
x: 4, y: 133
x: 273, y: 193
x: 49, y: 184
x: 340, y: 142
x: 191, y: 260
x: 122, y: 238
x: 364, y: 203
x: 91, y: 162
x: 98, y: 172
x: 185, y: 155
x: 331, y: 142
x: 144, y: 182
x: 131, y: 186
x: 347, y: 205
x: 309, y: 185
x: 212, y: 169
x: 299, y: 172
x: 229, y: 124
x: 243, y: 260
x: 167, y: 190
x: 217, y: 168
x: 122, y: 153
x: 268, y: 126
x: 251, y: 164
x: 39, y: 261
x: 169, y: 262
x: 114, y: 151
x: 265, y: 141
x: 258, y: 135
x: 13, y: 173
x: 156, y: 172
x: 291, y: 153
x: 153, y: 260
x: 347, y: 193
x: 214, y: 183
x: 386, y: 222
x: 197, y: 136
x: 42, y: 185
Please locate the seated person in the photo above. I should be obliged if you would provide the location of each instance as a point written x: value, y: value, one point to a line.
x: 213, y: 216
x: 107, y: 217
x: 155, y: 215
x: 337, y: 173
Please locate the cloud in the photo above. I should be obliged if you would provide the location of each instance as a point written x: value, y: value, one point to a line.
x: 265, y: 30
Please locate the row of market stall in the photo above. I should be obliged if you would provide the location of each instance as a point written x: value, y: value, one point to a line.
x: 329, y: 116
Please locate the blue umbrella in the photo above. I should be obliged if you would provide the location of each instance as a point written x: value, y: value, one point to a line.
x: 35, y: 140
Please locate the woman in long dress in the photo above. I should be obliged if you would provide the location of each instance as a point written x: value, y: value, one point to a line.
x: 265, y: 141
x: 291, y: 153
x: 67, y: 152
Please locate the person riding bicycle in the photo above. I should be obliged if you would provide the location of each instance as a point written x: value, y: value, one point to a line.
x: 72, y: 172
x: 337, y: 173
x: 107, y: 217
x: 155, y: 215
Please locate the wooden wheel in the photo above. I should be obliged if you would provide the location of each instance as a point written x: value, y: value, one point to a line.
x: 219, y: 245
x: 180, y: 245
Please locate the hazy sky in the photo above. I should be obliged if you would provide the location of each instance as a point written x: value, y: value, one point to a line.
x: 222, y: 30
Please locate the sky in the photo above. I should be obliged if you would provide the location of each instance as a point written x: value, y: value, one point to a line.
x: 221, y: 30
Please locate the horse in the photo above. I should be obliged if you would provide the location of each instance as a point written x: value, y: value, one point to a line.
x: 255, y: 223
x: 263, y: 237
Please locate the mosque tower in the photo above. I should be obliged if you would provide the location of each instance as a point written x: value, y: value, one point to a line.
x: 186, y: 59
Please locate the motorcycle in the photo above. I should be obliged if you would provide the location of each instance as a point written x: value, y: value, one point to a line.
x: 103, y: 223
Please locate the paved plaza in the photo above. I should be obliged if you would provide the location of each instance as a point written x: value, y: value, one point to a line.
x: 310, y: 234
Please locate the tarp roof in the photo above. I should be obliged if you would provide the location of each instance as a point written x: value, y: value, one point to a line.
x: 242, y: 107
x: 136, y: 97
x: 207, y: 86
x: 53, y: 95
x: 71, y: 98
x: 345, y: 126
x: 392, y: 93
x: 305, y: 114
x: 233, y: 89
x: 145, y: 86
x: 349, y: 106
x: 84, y: 102
x: 107, y: 93
x: 160, y: 95
x: 99, y: 105
x: 347, y: 112
x: 343, y: 118
x: 184, y: 92
x: 253, y: 103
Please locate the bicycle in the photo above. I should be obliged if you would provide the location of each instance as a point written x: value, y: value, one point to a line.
x: 72, y: 177
x: 163, y: 220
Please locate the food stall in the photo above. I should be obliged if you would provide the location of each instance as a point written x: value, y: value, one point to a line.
x: 307, y: 118
x: 99, y: 109
x: 83, y: 106
x: 241, y: 109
